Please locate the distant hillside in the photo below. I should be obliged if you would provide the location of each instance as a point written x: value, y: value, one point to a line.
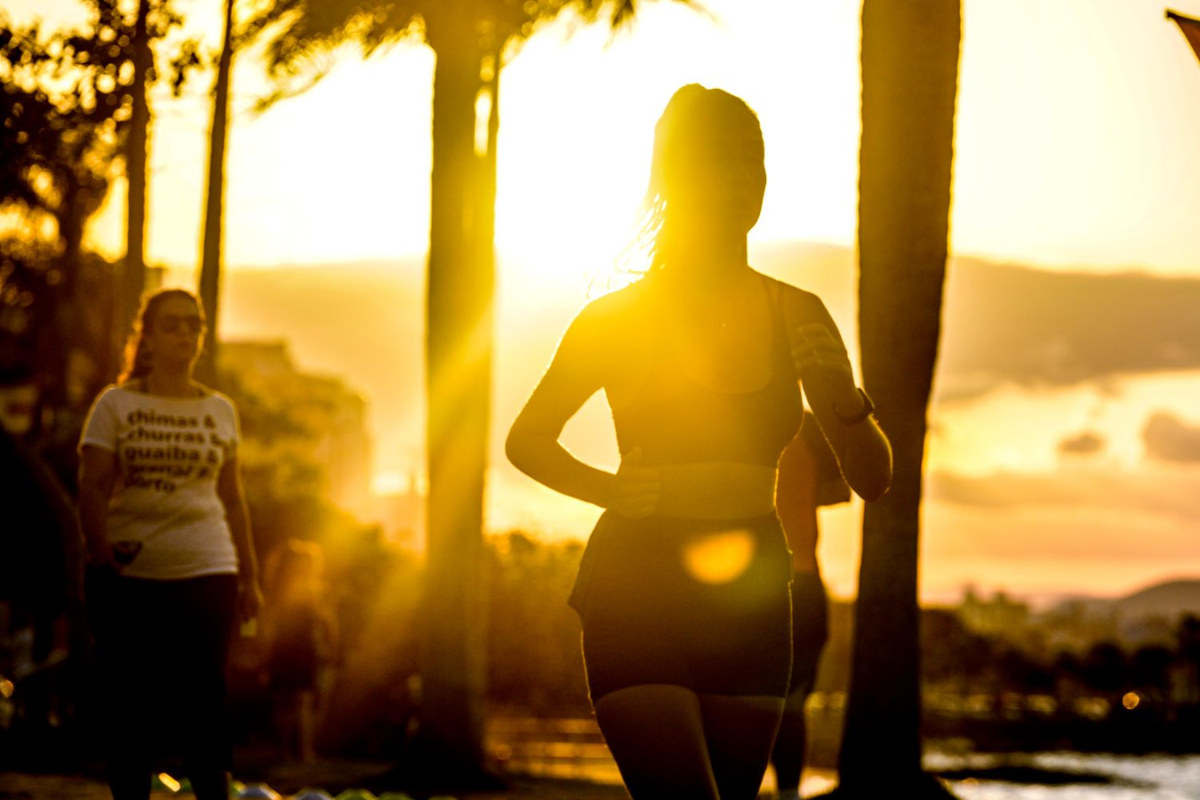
x: 1009, y: 322
x: 1166, y: 600
x: 1169, y: 599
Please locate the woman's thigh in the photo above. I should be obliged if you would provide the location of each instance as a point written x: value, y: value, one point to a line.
x: 656, y: 734
x: 739, y: 732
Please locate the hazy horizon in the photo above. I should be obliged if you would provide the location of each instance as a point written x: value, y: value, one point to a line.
x: 418, y: 258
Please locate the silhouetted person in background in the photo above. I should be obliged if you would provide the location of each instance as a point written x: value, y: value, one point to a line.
x: 299, y: 630
x: 169, y: 549
x: 683, y: 590
x: 808, y: 478
x: 39, y: 584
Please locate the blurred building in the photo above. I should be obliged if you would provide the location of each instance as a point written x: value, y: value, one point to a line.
x: 331, y: 415
x: 402, y: 514
x: 997, y: 615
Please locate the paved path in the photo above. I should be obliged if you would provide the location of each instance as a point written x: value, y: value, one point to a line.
x: 25, y: 786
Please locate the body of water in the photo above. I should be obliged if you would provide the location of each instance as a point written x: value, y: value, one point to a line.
x: 1149, y: 777
x: 574, y: 749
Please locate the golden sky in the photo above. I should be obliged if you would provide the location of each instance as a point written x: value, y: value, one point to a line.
x: 1076, y: 141
x: 1078, y: 146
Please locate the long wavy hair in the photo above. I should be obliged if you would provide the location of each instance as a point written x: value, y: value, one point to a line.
x: 137, y: 358
x: 692, y: 108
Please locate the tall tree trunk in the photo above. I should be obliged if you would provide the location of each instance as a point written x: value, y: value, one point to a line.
x: 77, y: 207
x: 54, y: 359
x: 71, y: 222
x: 910, y: 54
x: 458, y: 386
x: 137, y: 149
x: 214, y: 208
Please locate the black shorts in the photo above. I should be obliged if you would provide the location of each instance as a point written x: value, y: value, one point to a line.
x: 699, y: 604
x: 810, y: 629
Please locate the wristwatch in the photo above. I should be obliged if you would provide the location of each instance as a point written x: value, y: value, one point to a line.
x: 853, y: 419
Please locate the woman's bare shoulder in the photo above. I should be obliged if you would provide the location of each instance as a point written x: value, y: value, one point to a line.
x: 798, y: 305
x: 605, y: 339
x: 610, y: 314
x: 619, y: 302
x: 789, y: 292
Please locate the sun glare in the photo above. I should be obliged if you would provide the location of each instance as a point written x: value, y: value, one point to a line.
x: 719, y: 558
x: 577, y: 123
x: 566, y: 204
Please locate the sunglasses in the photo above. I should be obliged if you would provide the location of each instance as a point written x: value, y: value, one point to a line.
x: 172, y: 324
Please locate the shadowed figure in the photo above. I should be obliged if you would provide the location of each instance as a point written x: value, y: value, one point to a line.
x: 683, y: 591
x: 808, y: 478
x: 299, y: 630
x: 170, y: 558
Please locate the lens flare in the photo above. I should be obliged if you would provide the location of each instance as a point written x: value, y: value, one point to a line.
x: 720, y: 557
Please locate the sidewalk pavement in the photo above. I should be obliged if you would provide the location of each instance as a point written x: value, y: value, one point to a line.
x: 28, y: 786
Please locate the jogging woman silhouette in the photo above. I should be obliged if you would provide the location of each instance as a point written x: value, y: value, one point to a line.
x: 683, y: 591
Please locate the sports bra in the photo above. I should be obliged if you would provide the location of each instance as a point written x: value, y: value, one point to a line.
x: 676, y: 420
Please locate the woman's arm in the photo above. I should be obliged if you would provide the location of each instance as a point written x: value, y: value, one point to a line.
x: 861, y: 447
x: 229, y: 489
x: 97, y: 473
x: 533, y: 447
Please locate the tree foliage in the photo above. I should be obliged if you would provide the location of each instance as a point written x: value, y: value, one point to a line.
x: 66, y: 111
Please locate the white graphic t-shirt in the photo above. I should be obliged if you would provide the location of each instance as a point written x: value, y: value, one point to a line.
x: 165, y: 520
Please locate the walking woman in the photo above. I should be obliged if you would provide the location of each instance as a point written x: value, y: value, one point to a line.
x: 683, y: 591
x: 171, y: 562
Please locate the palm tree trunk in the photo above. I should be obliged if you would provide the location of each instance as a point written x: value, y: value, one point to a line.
x: 910, y: 54
x: 137, y: 156
x: 458, y: 353
x: 210, y: 257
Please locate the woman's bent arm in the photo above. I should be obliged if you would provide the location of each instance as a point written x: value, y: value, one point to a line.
x: 543, y: 458
x: 861, y: 447
x: 633, y: 492
x: 533, y: 447
x: 865, y: 455
x: 532, y: 444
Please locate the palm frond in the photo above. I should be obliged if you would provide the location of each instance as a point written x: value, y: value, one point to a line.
x: 303, y: 27
x: 299, y: 32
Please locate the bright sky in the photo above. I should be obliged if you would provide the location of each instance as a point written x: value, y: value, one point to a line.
x: 1076, y: 142
x: 1077, y: 147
